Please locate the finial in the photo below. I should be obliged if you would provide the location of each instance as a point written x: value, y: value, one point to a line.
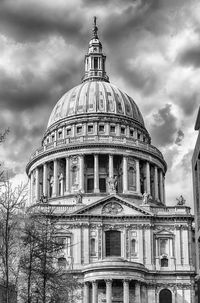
x: 95, y: 28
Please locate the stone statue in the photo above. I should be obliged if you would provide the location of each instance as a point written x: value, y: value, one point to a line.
x: 78, y: 197
x: 181, y: 200
x: 145, y: 197
x: 112, y: 184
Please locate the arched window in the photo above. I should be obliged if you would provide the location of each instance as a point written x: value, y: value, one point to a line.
x: 92, y: 247
x: 133, y: 247
x: 113, y: 243
x: 165, y: 296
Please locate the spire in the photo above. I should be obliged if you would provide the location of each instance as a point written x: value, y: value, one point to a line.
x: 95, y: 59
x: 95, y: 28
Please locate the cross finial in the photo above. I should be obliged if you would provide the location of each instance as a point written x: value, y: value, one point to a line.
x: 95, y: 28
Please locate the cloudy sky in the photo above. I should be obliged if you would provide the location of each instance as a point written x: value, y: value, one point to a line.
x: 153, y: 53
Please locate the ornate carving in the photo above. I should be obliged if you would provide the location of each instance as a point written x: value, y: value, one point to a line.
x: 180, y: 200
x: 146, y: 197
x: 112, y: 184
x: 112, y: 208
x: 78, y: 197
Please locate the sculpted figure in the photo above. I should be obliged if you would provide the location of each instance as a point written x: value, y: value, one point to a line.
x: 145, y: 197
x: 79, y: 197
x: 181, y: 200
x: 112, y: 184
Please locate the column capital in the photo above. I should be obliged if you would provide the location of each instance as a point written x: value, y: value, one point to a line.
x: 108, y: 281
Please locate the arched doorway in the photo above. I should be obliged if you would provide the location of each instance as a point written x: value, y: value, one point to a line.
x: 165, y: 296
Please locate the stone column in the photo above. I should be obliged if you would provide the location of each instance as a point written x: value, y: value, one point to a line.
x: 111, y: 169
x: 86, y: 297
x: 45, y: 179
x: 94, y: 292
x: 137, y: 175
x: 81, y: 186
x: 31, y: 180
x: 156, y: 182
x: 126, y: 291
x: 161, y: 186
x: 96, y: 173
x: 137, y: 292
x: 37, y: 184
x: 108, y: 291
x: 55, y: 178
x: 148, y: 187
x: 164, y: 197
x: 29, y: 189
x: 125, y: 174
x: 67, y: 176
x: 61, y: 179
x: 144, y: 294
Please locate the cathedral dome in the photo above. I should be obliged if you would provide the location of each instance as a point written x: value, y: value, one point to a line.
x: 95, y: 97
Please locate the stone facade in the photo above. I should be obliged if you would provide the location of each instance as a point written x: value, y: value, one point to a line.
x: 98, y: 169
x: 196, y: 191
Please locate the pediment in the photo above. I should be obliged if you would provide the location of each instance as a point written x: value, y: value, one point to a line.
x: 164, y: 232
x: 113, y: 206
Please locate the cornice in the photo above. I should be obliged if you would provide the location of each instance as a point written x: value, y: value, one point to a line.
x: 88, y: 145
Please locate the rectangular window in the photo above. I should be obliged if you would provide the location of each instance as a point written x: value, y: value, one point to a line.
x: 113, y: 243
x: 101, y: 128
x: 90, y: 185
x: 79, y: 130
x: 53, y: 137
x: 95, y: 63
x: 102, y: 185
x: 60, y: 135
x: 138, y: 136
x: 68, y: 131
x: 122, y: 130
x: 163, y: 246
x: 90, y: 128
x: 112, y: 129
x: 131, y: 132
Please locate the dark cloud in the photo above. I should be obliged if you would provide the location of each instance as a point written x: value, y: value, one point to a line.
x: 190, y: 56
x: 33, y: 20
x: 179, y: 138
x: 163, y: 128
x: 186, y: 162
x: 187, y: 99
x: 32, y: 89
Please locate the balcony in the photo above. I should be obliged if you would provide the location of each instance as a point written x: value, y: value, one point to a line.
x: 85, y: 140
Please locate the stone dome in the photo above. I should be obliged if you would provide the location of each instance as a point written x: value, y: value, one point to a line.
x: 95, y: 97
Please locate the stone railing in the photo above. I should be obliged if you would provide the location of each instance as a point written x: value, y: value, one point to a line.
x: 179, y: 209
x: 54, y: 208
x: 129, y: 142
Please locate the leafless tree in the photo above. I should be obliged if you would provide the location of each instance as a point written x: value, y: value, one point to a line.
x: 44, y: 280
x: 3, y: 135
x: 12, y: 202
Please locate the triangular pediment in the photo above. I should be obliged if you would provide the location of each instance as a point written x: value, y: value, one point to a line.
x: 113, y: 205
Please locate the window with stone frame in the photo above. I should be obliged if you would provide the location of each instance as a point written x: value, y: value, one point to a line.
x: 113, y: 243
x: 68, y: 131
x: 133, y: 247
x: 92, y: 247
x: 112, y: 128
x: 90, y: 128
x: 79, y: 130
x: 101, y: 128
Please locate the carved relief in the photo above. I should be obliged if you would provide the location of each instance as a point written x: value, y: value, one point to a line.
x: 112, y: 208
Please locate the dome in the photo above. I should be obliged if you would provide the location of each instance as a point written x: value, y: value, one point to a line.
x: 95, y: 97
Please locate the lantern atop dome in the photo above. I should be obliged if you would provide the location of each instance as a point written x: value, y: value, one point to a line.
x: 95, y: 59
